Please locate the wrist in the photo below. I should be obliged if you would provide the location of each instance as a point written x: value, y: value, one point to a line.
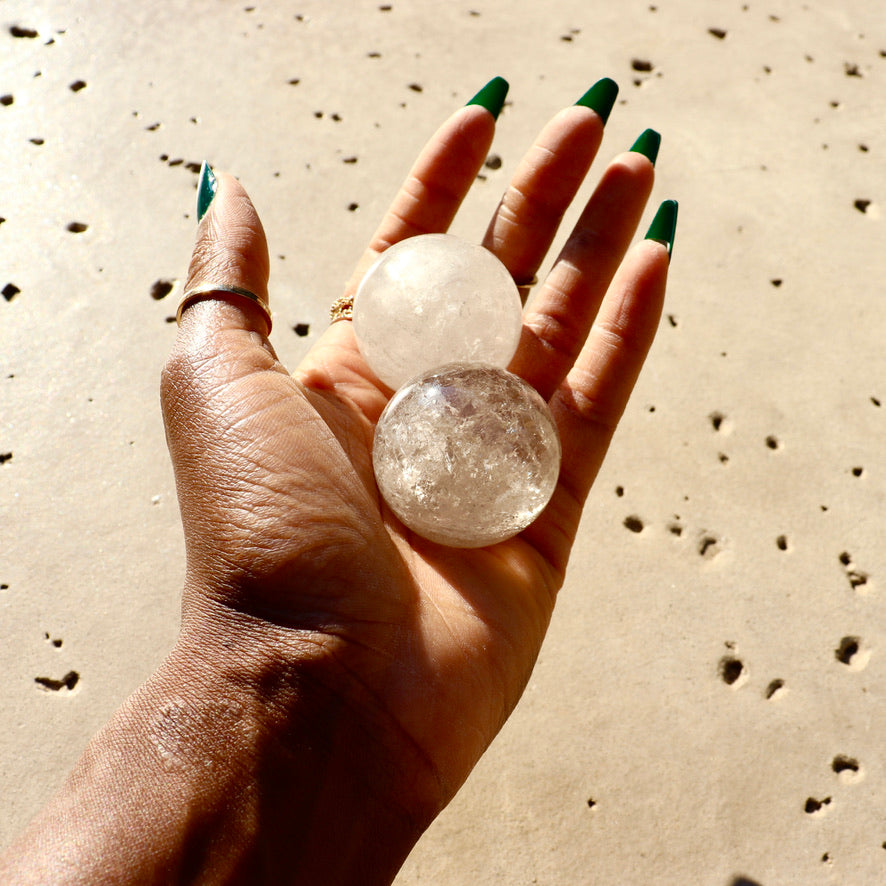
x: 336, y: 799
x: 233, y: 763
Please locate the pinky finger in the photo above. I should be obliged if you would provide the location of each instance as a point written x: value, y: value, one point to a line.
x: 590, y: 401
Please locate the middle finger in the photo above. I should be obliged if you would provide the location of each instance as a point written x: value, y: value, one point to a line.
x: 546, y: 181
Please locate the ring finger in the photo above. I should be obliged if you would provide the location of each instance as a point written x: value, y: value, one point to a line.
x: 556, y: 323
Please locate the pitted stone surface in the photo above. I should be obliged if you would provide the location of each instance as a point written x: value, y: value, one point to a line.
x: 435, y: 299
x: 467, y: 455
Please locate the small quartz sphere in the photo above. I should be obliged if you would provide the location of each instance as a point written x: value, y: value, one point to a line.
x: 466, y: 455
x: 435, y: 299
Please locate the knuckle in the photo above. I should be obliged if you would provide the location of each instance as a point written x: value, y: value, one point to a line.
x: 590, y: 406
x: 558, y: 333
x: 173, y: 378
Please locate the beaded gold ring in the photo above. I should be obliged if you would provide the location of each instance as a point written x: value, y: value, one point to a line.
x: 342, y: 309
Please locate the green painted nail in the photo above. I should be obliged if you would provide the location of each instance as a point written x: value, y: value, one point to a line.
x: 664, y: 225
x: 206, y: 190
x: 492, y: 96
x: 647, y: 145
x: 600, y: 98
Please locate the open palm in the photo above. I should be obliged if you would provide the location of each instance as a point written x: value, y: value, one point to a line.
x: 423, y: 649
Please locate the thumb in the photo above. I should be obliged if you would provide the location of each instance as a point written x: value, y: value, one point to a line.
x: 222, y: 338
x: 231, y: 253
x: 221, y: 382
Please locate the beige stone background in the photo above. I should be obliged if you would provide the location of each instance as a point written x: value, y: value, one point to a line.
x: 710, y: 706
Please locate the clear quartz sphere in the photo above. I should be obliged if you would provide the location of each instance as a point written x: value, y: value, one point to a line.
x: 435, y: 299
x: 466, y: 455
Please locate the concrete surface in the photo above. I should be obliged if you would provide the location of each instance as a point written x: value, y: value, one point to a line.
x: 710, y: 706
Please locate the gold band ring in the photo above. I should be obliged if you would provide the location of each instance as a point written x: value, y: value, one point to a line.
x: 342, y: 309
x: 523, y: 288
x: 204, y: 290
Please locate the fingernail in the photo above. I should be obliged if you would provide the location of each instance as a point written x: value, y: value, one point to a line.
x: 600, y: 98
x: 206, y: 188
x: 664, y: 225
x: 492, y: 96
x: 648, y: 144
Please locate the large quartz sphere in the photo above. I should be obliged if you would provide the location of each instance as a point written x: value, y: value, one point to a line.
x: 466, y: 455
x: 435, y: 299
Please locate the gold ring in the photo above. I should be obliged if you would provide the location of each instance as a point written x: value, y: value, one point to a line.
x: 342, y: 309
x: 203, y: 290
x: 523, y: 288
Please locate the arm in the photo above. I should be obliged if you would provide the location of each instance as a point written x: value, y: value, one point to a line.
x: 224, y: 767
x: 337, y: 677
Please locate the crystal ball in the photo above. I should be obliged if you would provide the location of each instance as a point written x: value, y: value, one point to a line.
x: 435, y: 299
x: 466, y: 455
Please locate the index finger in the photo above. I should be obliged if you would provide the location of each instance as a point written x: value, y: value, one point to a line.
x: 440, y: 178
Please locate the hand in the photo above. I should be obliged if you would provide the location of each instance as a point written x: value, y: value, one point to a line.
x: 336, y: 676
x: 425, y: 648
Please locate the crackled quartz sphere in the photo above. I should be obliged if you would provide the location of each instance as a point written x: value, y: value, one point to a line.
x: 435, y: 299
x: 466, y: 455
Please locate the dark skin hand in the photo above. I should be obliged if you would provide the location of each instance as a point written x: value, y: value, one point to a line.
x: 337, y: 677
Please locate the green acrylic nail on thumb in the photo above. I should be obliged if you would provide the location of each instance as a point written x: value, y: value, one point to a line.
x: 492, y: 96
x: 664, y: 225
x: 206, y: 190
